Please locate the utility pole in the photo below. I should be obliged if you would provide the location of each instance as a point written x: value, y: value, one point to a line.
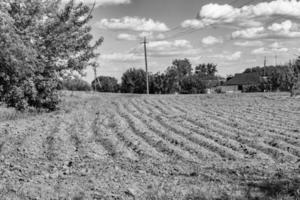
x: 146, y: 63
x: 265, y: 64
x: 96, y: 78
x: 275, y: 60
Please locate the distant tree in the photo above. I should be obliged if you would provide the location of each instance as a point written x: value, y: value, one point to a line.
x: 134, y: 81
x: 183, y: 67
x: 175, y: 73
x: 208, y: 69
x: 76, y: 84
x: 292, y: 77
x: 106, y: 84
x: 192, y: 85
x: 158, y: 83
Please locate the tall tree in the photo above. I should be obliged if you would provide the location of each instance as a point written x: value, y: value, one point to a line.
x: 292, y: 76
x: 134, y: 81
x: 40, y: 43
x: 208, y: 69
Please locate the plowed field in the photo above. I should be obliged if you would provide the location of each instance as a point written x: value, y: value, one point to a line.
x: 113, y: 146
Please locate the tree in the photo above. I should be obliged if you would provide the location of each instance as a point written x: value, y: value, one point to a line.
x: 175, y: 73
x: 183, y: 67
x: 134, y: 81
x: 105, y: 84
x: 208, y: 69
x: 192, y: 85
x: 40, y: 43
x: 158, y: 84
x: 292, y: 76
x: 76, y: 84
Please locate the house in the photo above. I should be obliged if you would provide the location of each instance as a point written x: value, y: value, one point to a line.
x: 242, y: 82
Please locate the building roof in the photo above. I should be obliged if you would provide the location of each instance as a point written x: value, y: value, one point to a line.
x: 245, y: 79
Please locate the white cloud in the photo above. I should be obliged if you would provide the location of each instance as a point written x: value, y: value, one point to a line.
x: 151, y: 35
x: 277, y: 47
x: 167, y: 45
x: 120, y: 57
x: 230, y: 57
x: 261, y: 50
x: 196, y: 24
x: 210, y: 40
x: 134, y: 24
x: 234, y: 56
x: 249, y: 33
x: 249, y: 43
x: 249, y: 16
x: 126, y: 36
x: 284, y: 26
x: 100, y: 2
x: 286, y: 29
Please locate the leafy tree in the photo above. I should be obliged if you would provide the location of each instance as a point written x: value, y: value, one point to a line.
x: 183, y: 67
x: 134, y: 81
x: 158, y: 83
x: 192, y: 85
x: 76, y: 84
x: 178, y: 70
x: 39, y: 43
x: 105, y: 84
x: 208, y: 69
x: 292, y: 77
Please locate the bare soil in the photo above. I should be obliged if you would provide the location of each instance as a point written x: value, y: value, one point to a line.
x: 116, y: 146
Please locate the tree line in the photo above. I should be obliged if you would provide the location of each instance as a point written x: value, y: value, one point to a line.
x: 180, y: 77
x: 277, y: 78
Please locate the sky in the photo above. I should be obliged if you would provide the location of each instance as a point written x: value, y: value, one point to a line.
x: 234, y: 34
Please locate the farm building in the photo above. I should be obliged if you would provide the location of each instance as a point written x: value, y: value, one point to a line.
x: 240, y: 82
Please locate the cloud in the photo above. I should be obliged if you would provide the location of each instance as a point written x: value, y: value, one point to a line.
x: 273, y: 48
x: 168, y: 46
x: 210, y: 40
x: 247, y: 16
x: 120, y: 57
x: 196, y: 24
x: 155, y: 49
x: 285, y: 29
x: 134, y: 24
x: 126, y: 36
x: 261, y: 50
x: 100, y: 2
x: 249, y: 33
x: 277, y: 47
x: 152, y: 36
x: 235, y: 56
x: 249, y: 43
x: 230, y: 57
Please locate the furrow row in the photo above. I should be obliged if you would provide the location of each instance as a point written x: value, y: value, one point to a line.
x: 250, y: 128
x: 277, y: 154
x: 173, y: 137
x: 150, y: 137
x: 212, y: 144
